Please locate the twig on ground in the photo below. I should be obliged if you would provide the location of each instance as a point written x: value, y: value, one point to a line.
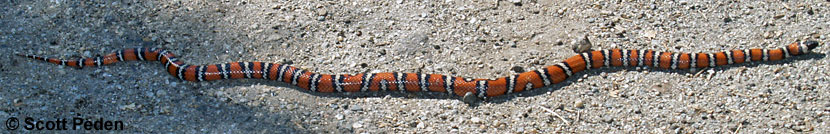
x: 557, y: 115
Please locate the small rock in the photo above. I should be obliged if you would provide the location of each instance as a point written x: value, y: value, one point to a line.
x: 778, y: 16
x: 608, y: 119
x: 339, y: 116
x: 683, y: 2
x: 159, y: 92
x: 649, y: 33
x: 561, y: 11
x: 470, y: 98
x: 421, y: 125
x: 128, y: 107
x: 582, y: 45
x: 496, y: 123
x: 165, y: 110
x: 518, y: 69
x: 219, y: 93
x: 322, y: 13
x: 356, y: 108
x: 475, y: 120
x: 515, y: 1
x: 357, y: 125
x: 532, y: 131
x: 768, y: 35
x: 579, y: 104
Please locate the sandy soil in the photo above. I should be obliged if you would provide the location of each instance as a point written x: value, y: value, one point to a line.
x: 481, y: 39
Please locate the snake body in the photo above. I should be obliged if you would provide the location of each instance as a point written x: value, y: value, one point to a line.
x: 416, y: 82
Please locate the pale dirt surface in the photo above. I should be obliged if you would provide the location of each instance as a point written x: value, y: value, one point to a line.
x: 480, y: 39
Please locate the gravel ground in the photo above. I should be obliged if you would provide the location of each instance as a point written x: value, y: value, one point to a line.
x: 482, y: 39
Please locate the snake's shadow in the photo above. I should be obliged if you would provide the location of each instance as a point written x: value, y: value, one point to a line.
x: 508, y: 97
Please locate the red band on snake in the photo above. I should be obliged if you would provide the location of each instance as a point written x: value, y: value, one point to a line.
x: 415, y: 82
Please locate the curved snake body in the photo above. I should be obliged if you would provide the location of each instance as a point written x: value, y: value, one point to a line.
x: 416, y: 82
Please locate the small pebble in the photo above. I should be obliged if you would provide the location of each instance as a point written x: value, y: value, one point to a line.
x: 608, y: 119
x: 219, y: 93
x: 128, y: 107
x: 768, y: 35
x: 683, y: 2
x: 470, y: 98
x: 322, y: 13
x: 778, y: 16
x: 579, y: 104
x: 582, y: 45
x: 649, y: 33
x: 475, y: 120
x: 339, y: 116
x: 357, y: 125
x: 356, y: 108
x: 518, y: 69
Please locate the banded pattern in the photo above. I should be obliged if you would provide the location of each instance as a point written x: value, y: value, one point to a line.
x: 416, y: 82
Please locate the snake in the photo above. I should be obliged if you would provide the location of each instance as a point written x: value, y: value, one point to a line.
x: 452, y: 85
